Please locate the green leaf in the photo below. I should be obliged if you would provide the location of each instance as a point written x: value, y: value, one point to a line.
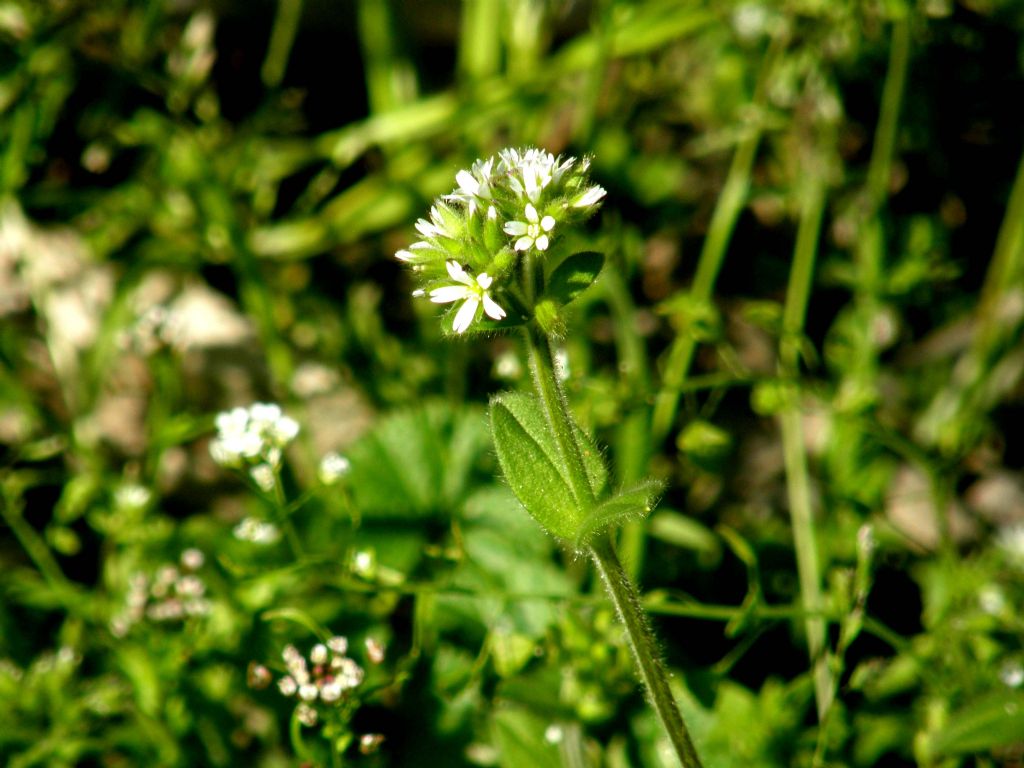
x: 417, y: 463
x: 681, y: 531
x: 994, y: 720
x: 519, y: 736
x: 532, y: 466
x: 573, y: 276
x: 630, y: 504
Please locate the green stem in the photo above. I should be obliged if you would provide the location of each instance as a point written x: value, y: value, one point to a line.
x: 621, y: 589
x: 798, y: 485
x: 556, y: 412
x: 11, y: 509
x: 624, y: 595
x: 282, y: 37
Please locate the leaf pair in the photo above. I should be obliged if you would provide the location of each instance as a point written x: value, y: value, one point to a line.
x: 539, y: 476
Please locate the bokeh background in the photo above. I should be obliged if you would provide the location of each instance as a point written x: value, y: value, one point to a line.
x: 809, y: 324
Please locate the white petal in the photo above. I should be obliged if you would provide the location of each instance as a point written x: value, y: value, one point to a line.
x: 457, y: 273
x: 547, y: 223
x: 515, y: 228
x: 531, y: 213
x: 404, y: 255
x: 465, y: 314
x: 467, y: 182
x: 541, y: 243
x: 449, y: 293
x: 426, y: 229
x: 523, y: 243
x: 590, y: 197
x: 492, y: 309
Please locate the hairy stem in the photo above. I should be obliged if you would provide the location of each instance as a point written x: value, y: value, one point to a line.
x: 624, y: 596
x: 620, y: 588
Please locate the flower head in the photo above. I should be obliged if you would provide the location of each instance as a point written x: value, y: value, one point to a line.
x: 472, y: 292
x: 252, y: 436
x: 532, y: 233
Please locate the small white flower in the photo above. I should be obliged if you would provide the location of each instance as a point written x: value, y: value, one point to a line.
x: 263, y: 476
x: 192, y: 559
x: 319, y: 654
x: 333, y: 467
x: 306, y: 715
x: 375, y: 650
x: 256, y: 531
x: 287, y: 686
x: 437, y: 226
x: 308, y: 692
x: 338, y: 644
x: 331, y: 692
x: 532, y: 233
x: 474, y: 188
x: 472, y: 292
x: 591, y: 197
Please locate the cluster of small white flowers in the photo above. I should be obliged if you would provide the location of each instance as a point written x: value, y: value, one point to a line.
x: 170, y: 594
x: 254, y: 437
x: 327, y: 676
x: 523, y: 195
x: 256, y: 531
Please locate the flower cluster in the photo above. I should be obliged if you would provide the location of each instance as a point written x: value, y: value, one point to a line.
x: 515, y: 204
x: 254, y: 437
x: 172, y: 593
x: 328, y: 676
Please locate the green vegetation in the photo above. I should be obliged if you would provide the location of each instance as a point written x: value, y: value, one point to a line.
x: 251, y: 508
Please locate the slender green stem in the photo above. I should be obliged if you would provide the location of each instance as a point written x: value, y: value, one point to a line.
x: 11, y: 508
x: 645, y: 652
x: 556, y: 412
x: 390, y: 79
x: 282, y: 37
x: 798, y: 484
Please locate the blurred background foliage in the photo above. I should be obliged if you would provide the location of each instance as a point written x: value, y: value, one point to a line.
x: 810, y: 325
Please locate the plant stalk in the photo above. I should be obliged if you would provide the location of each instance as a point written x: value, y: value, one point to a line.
x: 621, y: 589
x: 626, y: 599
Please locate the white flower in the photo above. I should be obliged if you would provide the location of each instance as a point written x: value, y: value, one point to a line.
x: 256, y: 531
x: 263, y: 476
x: 589, y: 198
x: 439, y: 225
x: 333, y: 466
x: 532, y: 171
x: 246, y: 434
x: 319, y: 654
x: 474, y: 185
x: 287, y: 686
x: 306, y: 715
x: 533, y: 231
x: 472, y: 292
x: 192, y: 559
